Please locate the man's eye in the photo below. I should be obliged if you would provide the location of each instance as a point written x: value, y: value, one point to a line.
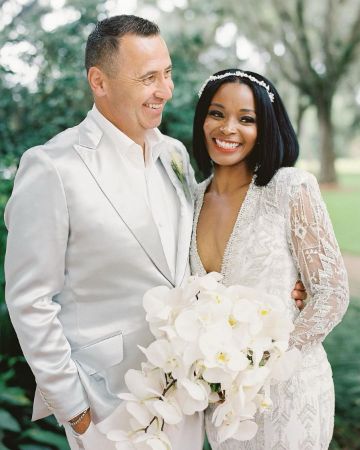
x: 168, y: 73
x: 215, y: 113
x: 148, y: 80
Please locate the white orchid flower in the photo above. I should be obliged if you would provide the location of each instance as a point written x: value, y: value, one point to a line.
x: 169, y: 409
x: 162, y: 354
x: 244, y: 318
x: 252, y: 376
x: 140, y: 412
x: 122, y: 439
x: 219, y: 304
x: 246, y: 430
x: 156, y: 303
x: 210, y: 281
x: 162, y: 305
x: 218, y: 375
x: 142, y: 386
x: 263, y: 403
x: 192, y: 396
x: 258, y: 345
x: 233, y: 423
x: 278, y: 326
x: 187, y: 325
x: 220, y: 351
x: 214, y: 397
x: 197, y: 389
x: 283, y: 368
x: 156, y: 441
x: 192, y: 358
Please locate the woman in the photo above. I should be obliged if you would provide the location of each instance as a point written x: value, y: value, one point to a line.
x: 262, y: 223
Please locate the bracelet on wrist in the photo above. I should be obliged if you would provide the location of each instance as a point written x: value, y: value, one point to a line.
x: 75, y: 422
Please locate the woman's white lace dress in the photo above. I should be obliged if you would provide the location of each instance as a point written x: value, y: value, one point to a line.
x: 283, y: 233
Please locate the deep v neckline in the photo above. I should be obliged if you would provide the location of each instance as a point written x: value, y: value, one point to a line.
x: 241, y: 213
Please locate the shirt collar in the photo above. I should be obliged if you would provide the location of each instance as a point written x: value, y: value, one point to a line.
x: 130, y: 149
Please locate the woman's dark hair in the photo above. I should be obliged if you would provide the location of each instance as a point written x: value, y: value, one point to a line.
x: 276, y: 143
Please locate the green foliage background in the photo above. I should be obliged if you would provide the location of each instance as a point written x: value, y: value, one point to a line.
x: 30, y: 116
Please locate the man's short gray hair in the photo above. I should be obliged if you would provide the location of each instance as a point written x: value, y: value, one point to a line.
x: 103, y: 42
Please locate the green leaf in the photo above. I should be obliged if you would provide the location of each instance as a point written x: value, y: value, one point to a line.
x: 6, y: 376
x: 7, y: 421
x: 3, y: 447
x: 47, y: 437
x: 215, y: 387
x: 34, y: 447
x: 14, y: 396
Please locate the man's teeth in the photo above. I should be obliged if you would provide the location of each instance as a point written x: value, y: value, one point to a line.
x: 227, y: 145
x: 154, y: 105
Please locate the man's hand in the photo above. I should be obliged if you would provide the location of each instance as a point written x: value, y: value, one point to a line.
x: 299, y: 294
x: 81, y: 422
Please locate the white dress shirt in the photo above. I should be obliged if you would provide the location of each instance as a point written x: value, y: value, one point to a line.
x: 154, y: 183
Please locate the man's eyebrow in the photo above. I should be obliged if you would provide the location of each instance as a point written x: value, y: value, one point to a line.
x: 153, y: 72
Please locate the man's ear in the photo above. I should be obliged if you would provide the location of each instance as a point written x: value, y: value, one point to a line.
x: 97, y: 81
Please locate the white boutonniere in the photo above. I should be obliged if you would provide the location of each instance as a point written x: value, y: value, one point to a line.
x: 177, y: 166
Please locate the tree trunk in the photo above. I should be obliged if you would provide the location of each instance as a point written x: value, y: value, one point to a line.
x: 327, y: 154
x: 302, y: 106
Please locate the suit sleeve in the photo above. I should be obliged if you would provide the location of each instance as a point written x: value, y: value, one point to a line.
x: 38, y: 226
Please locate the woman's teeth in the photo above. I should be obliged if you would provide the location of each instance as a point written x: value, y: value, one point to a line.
x: 226, y: 145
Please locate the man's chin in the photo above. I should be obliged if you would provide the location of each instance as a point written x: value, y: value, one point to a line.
x: 154, y: 123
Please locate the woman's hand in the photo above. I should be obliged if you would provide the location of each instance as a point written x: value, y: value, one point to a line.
x: 299, y: 294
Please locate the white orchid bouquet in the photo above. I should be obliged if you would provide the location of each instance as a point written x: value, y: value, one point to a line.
x: 213, y: 345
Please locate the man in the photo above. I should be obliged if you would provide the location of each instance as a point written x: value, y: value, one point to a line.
x: 97, y: 217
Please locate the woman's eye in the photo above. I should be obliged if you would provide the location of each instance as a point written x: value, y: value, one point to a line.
x: 247, y: 119
x: 215, y: 113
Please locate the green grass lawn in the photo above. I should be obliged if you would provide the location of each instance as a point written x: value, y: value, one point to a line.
x: 343, y: 349
x: 344, y: 208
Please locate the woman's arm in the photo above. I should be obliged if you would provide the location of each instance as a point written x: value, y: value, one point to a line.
x: 318, y: 259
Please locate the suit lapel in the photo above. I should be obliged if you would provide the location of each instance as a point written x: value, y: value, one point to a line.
x: 122, y: 191
x: 185, y: 222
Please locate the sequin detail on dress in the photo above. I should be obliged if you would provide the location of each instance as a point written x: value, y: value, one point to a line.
x: 282, y: 232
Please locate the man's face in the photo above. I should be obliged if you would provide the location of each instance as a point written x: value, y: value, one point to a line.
x: 139, y: 85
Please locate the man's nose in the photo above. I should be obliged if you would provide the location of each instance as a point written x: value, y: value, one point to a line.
x: 165, y: 89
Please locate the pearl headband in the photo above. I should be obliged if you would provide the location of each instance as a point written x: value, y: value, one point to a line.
x: 241, y: 75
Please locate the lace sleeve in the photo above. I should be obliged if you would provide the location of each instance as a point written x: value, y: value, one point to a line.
x: 319, y: 262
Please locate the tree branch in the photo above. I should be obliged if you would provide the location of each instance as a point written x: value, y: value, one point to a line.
x: 305, y: 45
x: 307, y: 77
x: 348, y: 54
x: 327, y: 33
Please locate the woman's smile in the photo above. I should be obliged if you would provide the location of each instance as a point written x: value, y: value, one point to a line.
x: 226, y: 146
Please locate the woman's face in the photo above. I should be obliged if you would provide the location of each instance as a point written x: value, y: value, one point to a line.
x: 230, y: 126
